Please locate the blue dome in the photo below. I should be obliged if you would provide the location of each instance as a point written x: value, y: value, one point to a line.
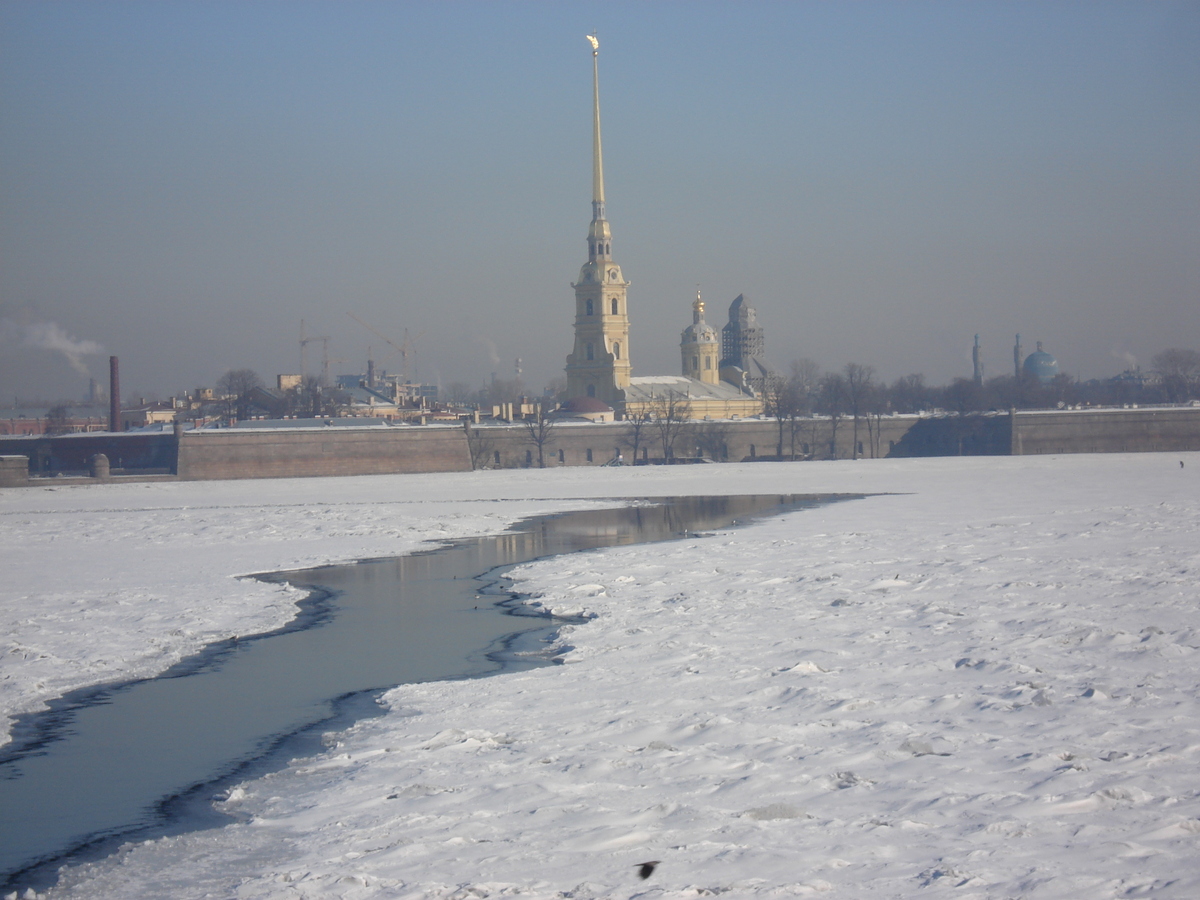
x: 1040, y: 365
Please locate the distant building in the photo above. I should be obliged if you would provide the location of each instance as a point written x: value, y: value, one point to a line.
x: 157, y: 412
x: 742, y: 346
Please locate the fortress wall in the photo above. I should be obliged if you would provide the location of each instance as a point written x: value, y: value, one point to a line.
x: 1106, y: 431
x: 290, y: 453
x: 238, y: 453
x: 14, y: 471
x: 735, y: 441
x: 126, y: 451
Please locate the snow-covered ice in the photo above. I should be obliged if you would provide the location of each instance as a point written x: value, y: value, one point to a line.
x: 980, y: 682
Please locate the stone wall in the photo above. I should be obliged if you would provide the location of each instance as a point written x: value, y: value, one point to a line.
x: 14, y: 471
x: 290, y: 453
x: 294, y: 452
x: 72, y: 453
x: 1106, y: 431
x: 571, y: 444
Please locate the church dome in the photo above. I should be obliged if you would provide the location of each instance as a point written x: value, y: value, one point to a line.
x: 700, y: 333
x: 1040, y: 365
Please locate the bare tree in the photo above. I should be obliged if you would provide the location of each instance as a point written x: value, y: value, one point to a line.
x: 778, y: 401
x: 712, y: 439
x: 909, y: 394
x: 58, y: 420
x: 1180, y: 371
x: 539, y: 431
x: 236, y: 387
x: 804, y: 376
x: 636, y: 423
x: 858, y: 385
x: 670, y: 412
x: 479, y: 444
x: 877, y: 403
x: 831, y: 400
x: 310, y: 399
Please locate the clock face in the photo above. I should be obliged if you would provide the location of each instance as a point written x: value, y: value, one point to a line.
x: 612, y: 274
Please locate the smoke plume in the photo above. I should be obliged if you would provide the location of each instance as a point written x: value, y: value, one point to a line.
x: 493, y: 356
x: 1130, y: 360
x: 51, y: 336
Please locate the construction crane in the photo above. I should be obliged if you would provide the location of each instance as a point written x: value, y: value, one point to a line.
x: 404, y: 348
x: 305, y: 340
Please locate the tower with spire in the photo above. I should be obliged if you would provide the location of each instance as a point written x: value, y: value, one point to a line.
x: 598, y: 366
x: 700, y: 348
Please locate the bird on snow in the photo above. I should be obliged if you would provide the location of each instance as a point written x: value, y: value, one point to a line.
x: 646, y: 869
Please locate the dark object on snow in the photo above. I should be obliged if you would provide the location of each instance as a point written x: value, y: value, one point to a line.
x: 1181, y: 464
x: 646, y: 869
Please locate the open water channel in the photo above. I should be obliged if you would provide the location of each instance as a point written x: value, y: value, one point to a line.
x: 108, y: 763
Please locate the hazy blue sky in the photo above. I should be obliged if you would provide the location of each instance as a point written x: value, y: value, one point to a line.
x: 181, y: 183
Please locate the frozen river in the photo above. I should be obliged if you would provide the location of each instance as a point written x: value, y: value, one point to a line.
x: 106, y: 762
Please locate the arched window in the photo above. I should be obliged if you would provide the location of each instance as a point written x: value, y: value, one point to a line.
x: 695, y: 363
x: 591, y: 393
x: 562, y: 457
x: 590, y: 353
x: 528, y: 457
x: 589, y: 306
x: 708, y: 362
x: 589, y: 454
x: 753, y: 452
x: 616, y: 351
x: 614, y: 306
x: 497, y: 457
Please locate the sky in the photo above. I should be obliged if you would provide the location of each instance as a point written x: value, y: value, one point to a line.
x: 183, y: 184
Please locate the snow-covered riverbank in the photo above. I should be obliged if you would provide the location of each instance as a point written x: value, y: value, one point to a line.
x: 982, y: 684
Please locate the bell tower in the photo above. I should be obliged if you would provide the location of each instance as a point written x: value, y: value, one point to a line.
x: 699, y: 347
x: 598, y: 366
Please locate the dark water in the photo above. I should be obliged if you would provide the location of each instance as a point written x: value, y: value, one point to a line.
x: 106, y: 762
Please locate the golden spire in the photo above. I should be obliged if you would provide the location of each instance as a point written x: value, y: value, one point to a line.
x: 597, y: 159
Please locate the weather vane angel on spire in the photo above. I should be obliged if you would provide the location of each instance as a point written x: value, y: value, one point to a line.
x: 594, y: 41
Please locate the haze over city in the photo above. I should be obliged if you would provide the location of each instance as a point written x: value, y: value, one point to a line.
x: 184, y: 183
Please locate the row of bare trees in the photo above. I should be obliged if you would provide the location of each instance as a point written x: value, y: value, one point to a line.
x: 660, y: 422
x: 792, y: 398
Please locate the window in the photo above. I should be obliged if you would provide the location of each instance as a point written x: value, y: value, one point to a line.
x: 590, y: 352
x: 645, y: 454
x: 562, y: 456
x: 497, y: 457
x: 591, y: 390
x: 708, y: 362
x: 695, y: 363
x: 753, y: 453
x: 614, y: 306
x: 616, y: 351
x: 529, y: 457
x: 589, y: 306
x: 589, y: 454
